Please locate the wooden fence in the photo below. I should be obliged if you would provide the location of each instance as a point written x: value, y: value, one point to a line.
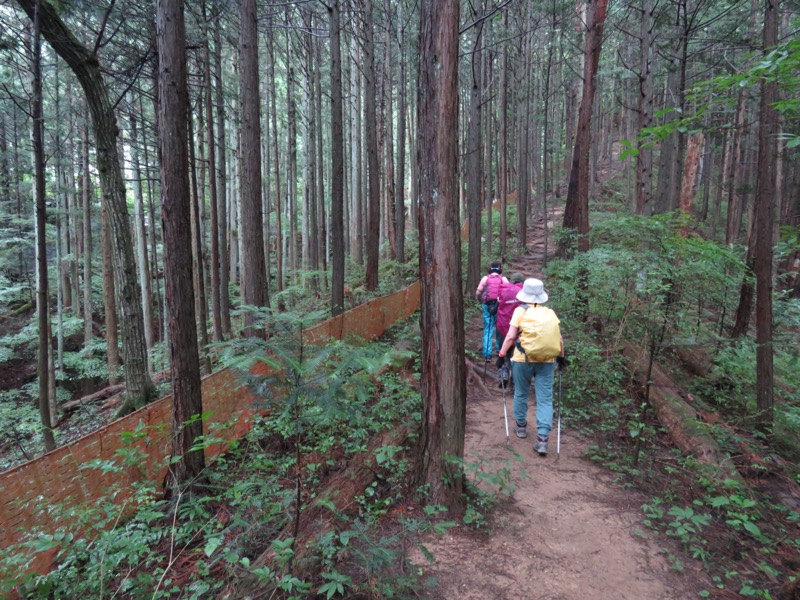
x: 60, y: 477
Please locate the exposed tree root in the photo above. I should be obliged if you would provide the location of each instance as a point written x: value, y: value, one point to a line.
x: 475, y: 374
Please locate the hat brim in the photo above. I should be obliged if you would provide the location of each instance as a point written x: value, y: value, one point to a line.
x: 532, y: 298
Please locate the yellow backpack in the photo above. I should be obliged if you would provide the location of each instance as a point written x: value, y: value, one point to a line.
x: 539, y: 337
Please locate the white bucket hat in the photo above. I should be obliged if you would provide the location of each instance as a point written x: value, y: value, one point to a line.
x: 532, y: 292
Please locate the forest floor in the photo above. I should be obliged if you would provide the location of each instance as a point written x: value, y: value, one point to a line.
x: 568, y: 531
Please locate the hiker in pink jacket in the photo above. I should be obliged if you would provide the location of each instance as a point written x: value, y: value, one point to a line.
x: 487, y: 293
x: 507, y: 302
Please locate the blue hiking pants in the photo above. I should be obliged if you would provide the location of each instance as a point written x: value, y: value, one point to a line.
x: 489, y: 322
x: 542, y: 374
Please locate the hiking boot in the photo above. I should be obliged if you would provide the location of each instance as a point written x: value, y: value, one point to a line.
x: 520, y: 430
x: 540, y: 447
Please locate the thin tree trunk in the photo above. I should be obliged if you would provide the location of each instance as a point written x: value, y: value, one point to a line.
x: 109, y: 292
x: 737, y: 174
x: 222, y: 190
x: 291, y: 115
x: 196, y: 241
x: 142, y: 263
x: 644, y: 158
x: 337, y: 164
x: 503, y: 177
x: 474, y: 148
x: 690, y: 166
x: 42, y: 292
x: 400, y: 195
x: 276, y: 155
x: 576, y: 212
x: 86, y: 196
x: 214, y: 266
x: 769, y: 120
x: 356, y: 190
x: 374, y: 196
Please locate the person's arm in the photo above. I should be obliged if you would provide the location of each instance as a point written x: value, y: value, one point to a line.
x: 510, y: 337
x: 481, y: 285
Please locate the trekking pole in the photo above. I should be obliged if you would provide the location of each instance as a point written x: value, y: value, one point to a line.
x: 503, y: 380
x: 558, y: 418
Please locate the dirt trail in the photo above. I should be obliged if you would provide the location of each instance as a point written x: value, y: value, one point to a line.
x: 568, y: 532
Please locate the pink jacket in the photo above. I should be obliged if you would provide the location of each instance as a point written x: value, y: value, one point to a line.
x: 507, y: 303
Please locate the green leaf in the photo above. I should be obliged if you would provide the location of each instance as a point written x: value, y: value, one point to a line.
x: 212, y: 544
x: 752, y: 528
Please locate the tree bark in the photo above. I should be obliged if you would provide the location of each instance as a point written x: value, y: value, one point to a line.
x: 109, y: 292
x: 644, y: 157
x: 253, y: 276
x: 441, y: 310
x: 42, y: 292
x: 337, y: 164
x: 214, y: 258
x: 400, y: 194
x: 142, y: 263
x: 474, y: 159
x: 198, y: 276
x: 85, y: 185
x: 690, y: 166
x: 503, y: 176
x: 173, y: 96
x: 764, y: 211
x: 576, y: 212
x: 222, y: 189
x: 275, y: 158
x: 86, y: 67
x: 374, y: 195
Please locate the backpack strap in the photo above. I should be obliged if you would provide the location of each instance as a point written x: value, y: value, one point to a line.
x: 517, y: 342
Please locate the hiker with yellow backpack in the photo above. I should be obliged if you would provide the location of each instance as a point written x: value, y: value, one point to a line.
x: 535, y: 333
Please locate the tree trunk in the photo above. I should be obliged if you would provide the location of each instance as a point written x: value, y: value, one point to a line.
x: 441, y: 310
x: 737, y: 174
x: 253, y: 275
x: 109, y: 291
x: 576, y: 212
x: 222, y: 189
x: 142, y: 263
x: 86, y: 67
x: 214, y: 258
x: 291, y: 169
x: 86, y: 199
x: 175, y: 205
x: 374, y: 195
x: 198, y: 277
x: 764, y: 211
x: 356, y: 189
x: 474, y: 160
x: 42, y: 292
x: 276, y: 167
x: 337, y: 164
x: 523, y: 178
x: 503, y: 176
x: 644, y: 157
x: 690, y: 166
x: 400, y: 195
